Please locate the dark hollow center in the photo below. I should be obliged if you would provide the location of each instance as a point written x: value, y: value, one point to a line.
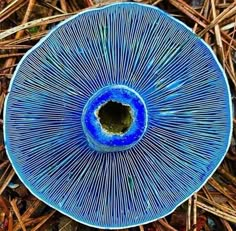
x: 115, y: 117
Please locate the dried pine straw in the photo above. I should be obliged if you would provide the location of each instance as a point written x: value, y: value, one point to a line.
x: 24, y: 22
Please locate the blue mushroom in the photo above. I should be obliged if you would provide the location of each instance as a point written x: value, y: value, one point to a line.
x: 117, y: 116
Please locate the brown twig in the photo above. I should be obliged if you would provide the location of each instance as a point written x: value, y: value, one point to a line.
x: 212, y: 202
x: 192, y: 14
x: 188, y: 218
x: 226, y: 13
x: 63, y: 227
x: 218, y: 187
x: 30, y: 222
x: 227, y: 175
x: 4, y: 206
x: 194, y: 212
x: 5, y: 75
x: 4, y: 164
x: 10, y: 222
x: 13, y: 47
x: 51, y: 7
x: 43, y: 221
x: 88, y: 3
x: 7, y: 181
x: 166, y: 225
x: 11, y: 55
x: 26, y: 17
x: 227, y: 225
x: 37, y: 22
x: 232, y: 38
x: 141, y: 228
x: 31, y: 209
x: 16, y: 211
x: 11, y: 8
x: 232, y: 75
x: 216, y: 212
x: 46, y: 20
x: 156, y: 2
x: 24, y: 39
x: 204, y: 8
x: 217, y: 33
x: 26, y: 216
x: 63, y: 5
x: 50, y: 12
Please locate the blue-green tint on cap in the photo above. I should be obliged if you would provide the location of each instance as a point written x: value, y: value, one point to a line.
x: 183, y: 98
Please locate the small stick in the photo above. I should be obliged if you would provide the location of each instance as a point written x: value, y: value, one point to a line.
x: 26, y: 17
x: 188, y: 220
x: 166, y: 225
x: 156, y: 2
x: 141, y: 228
x: 11, y: 55
x: 51, y: 8
x: 30, y: 222
x: 231, y: 65
x: 11, y: 8
x: 217, y: 33
x: 63, y: 5
x: 31, y: 209
x: 7, y: 181
x: 195, y: 212
x: 88, y: 3
x: 222, y: 5
x: 50, y: 12
x: 16, y: 211
x: 2, y: 147
x: 12, y: 47
x: 47, y: 20
x: 216, y: 212
x: 28, y: 213
x: 215, y: 204
x: 37, y: 22
x: 233, y: 78
x: 4, y: 206
x: 63, y: 227
x: 228, y: 11
x: 232, y: 38
x: 10, y: 222
x: 6, y: 75
x: 218, y: 187
x: 11, y: 61
x: 227, y: 225
x: 227, y: 175
x: 212, y: 201
x: 74, y: 5
x: 3, y: 164
x: 24, y: 39
x: 5, y: 172
x: 229, y: 26
x: 182, y: 7
x: 203, y: 9
x: 43, y: 221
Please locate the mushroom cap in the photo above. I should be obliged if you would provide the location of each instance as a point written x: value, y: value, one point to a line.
x: 188, y: 121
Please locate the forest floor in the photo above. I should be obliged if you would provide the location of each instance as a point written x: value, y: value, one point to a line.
x: 24, y: 22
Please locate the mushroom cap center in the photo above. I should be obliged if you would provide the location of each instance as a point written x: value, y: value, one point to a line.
x: 114, y: 119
